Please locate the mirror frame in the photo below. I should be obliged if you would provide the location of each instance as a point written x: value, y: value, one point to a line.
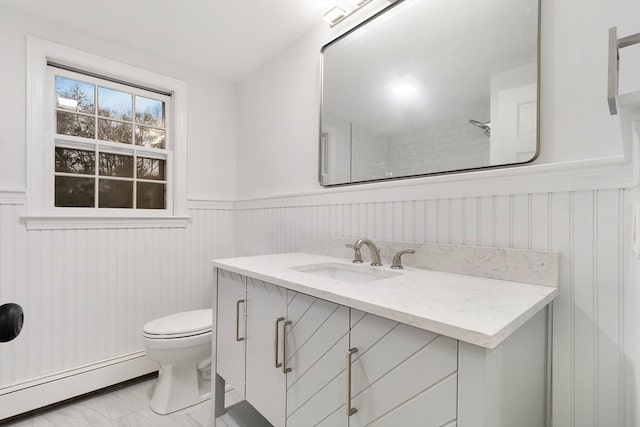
x: 322, y: 153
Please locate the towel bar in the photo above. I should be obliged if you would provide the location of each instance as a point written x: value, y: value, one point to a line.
x: 615, y: 45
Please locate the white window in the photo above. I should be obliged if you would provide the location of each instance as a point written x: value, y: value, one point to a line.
x: 106, y: 143
x: 112, y: 144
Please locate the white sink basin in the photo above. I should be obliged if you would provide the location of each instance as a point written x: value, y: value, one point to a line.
x: 346, y: 273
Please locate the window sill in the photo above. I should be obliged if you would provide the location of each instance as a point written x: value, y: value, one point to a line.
x: 59, y: 222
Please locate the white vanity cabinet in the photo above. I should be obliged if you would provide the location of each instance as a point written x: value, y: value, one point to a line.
x: 401, y: 374
x: 231, y: 329
x: 292, y: 345
x: 401, y: 349
x: 266, y: 382
x: 316, y: 347
x: 301, y: 351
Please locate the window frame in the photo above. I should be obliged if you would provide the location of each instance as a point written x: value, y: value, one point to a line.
x: 112, y: 147
x: 40, y: 210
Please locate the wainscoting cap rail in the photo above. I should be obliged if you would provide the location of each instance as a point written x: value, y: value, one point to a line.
x: 86, y: 222
x: 13, y: 196
x: 576, y: 175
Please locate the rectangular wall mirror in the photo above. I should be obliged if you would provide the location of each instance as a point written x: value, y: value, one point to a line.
x: 431, y: 86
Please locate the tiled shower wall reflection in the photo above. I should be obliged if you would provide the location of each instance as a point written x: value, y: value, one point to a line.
x: 445, y: 146
x: 453, y: 145
x: 369, y: 155
x: 586, y: 227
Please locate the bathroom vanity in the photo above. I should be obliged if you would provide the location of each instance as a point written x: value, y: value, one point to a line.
x: 316, y: 340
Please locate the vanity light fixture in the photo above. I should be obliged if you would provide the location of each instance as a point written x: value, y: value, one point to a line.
x: 337, y: 13
x: 334, y: 15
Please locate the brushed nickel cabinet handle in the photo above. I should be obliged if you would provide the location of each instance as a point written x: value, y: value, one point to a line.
x: 350, y: 411
x: 275, y: 346
x: 238, y: 337
x: 285, y: 370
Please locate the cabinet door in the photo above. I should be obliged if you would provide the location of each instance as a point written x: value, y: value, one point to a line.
x: 266, y: 384
x: 230, y: 327
x: 317, y: 341
x: 400, y: 374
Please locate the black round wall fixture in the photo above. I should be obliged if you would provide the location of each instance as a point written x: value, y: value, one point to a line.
x: 11, y: 320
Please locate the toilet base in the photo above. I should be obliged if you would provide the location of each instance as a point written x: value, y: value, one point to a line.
x: 179, y: 386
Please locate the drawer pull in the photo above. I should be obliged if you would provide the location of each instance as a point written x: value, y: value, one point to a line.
x: 278, y: 320
x: 238, y: 337
x: 350, y: 410
x: 285, y: 370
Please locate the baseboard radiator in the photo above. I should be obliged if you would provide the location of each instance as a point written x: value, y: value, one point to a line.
x: 49, y: 389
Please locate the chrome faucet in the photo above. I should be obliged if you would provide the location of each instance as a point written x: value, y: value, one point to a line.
x: 373, y: 250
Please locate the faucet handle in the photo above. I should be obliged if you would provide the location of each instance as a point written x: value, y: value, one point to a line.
x: 357, y: 256
x: 397, y: 258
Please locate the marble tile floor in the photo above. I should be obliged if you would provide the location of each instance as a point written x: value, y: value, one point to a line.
x: 125, y: 405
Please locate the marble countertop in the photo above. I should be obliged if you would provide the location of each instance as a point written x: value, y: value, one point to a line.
x: 477, y: 310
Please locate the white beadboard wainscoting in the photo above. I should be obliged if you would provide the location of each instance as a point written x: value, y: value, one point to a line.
x: 87, y: 293
x: 590, y: 228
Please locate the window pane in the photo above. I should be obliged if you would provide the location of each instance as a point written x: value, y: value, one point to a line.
x: 149, y: 137
x: 115, y: 194
x: 74, y: 192
x: 116, y: 165
x: 151, y: 168
x: 75, y: 125
x: 150, y: 196
x: 108, y: 130
x: 71, y: 160
x: 74, y: 95
x: 114, y: 104
x: 149, y: 111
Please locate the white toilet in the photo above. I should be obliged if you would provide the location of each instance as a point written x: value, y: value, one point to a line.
x: 181, y: 344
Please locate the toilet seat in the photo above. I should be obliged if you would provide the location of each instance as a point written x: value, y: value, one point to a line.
x: 180, y: 325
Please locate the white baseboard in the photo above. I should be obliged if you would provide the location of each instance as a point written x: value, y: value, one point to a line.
x: 37, y: 393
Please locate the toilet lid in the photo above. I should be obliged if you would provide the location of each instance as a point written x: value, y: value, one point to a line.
x: 183, y: 324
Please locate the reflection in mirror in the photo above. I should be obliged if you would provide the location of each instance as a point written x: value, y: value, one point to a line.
x: 428, y: 87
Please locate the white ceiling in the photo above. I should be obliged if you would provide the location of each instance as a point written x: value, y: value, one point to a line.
x: 229, y: 38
